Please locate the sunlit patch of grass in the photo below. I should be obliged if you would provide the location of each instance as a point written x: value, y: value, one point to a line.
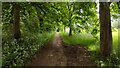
x: 82, y: 39
x: 115, y: 38
x: 92, y: 47
x: 115, y: 42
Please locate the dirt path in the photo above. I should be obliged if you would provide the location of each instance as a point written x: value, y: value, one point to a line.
x: 57, y: 54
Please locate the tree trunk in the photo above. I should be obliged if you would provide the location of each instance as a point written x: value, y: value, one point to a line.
x: 70, y: 26
x: 70, y: 31
x: 105, y: 29
x: 41, y: 24
x: 70, y: 18
x: 16, y: 15
x: 64, y: 28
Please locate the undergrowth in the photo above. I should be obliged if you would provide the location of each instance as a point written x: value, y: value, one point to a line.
x: 18, y: 52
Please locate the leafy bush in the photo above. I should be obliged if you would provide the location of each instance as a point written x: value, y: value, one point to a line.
x: 17, y: 52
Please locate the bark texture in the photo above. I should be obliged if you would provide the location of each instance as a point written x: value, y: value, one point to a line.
x: 105, y: 29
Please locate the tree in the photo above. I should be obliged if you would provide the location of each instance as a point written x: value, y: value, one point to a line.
x: 16, y: 14
x: 105, y: 29
x: 71, y: 10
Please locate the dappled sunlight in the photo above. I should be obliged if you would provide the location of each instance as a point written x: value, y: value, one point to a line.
x: 115, y: 38
x: 92, y: 48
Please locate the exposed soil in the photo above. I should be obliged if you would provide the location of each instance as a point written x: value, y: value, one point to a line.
x: 56, y: 53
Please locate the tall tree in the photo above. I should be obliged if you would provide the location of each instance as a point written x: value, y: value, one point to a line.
x: 70, y: 18
x: 16, y: 14
x: 105, y: 29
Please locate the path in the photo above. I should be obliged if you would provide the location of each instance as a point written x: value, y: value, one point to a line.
x: 57, y: 54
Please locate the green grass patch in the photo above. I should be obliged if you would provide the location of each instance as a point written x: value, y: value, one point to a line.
x: 115, y: 38
x: 82, y: 39
x: 93, y: 46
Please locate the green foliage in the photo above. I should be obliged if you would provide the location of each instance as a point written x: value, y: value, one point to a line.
x: 18, y: 52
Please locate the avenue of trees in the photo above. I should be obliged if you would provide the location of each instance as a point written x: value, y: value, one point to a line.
x: 40, y: 17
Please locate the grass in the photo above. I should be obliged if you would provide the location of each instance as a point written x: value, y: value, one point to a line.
x: 82, y: 39
x: 93, y: 46
x: 18, y: 52
x: 115, y: 38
